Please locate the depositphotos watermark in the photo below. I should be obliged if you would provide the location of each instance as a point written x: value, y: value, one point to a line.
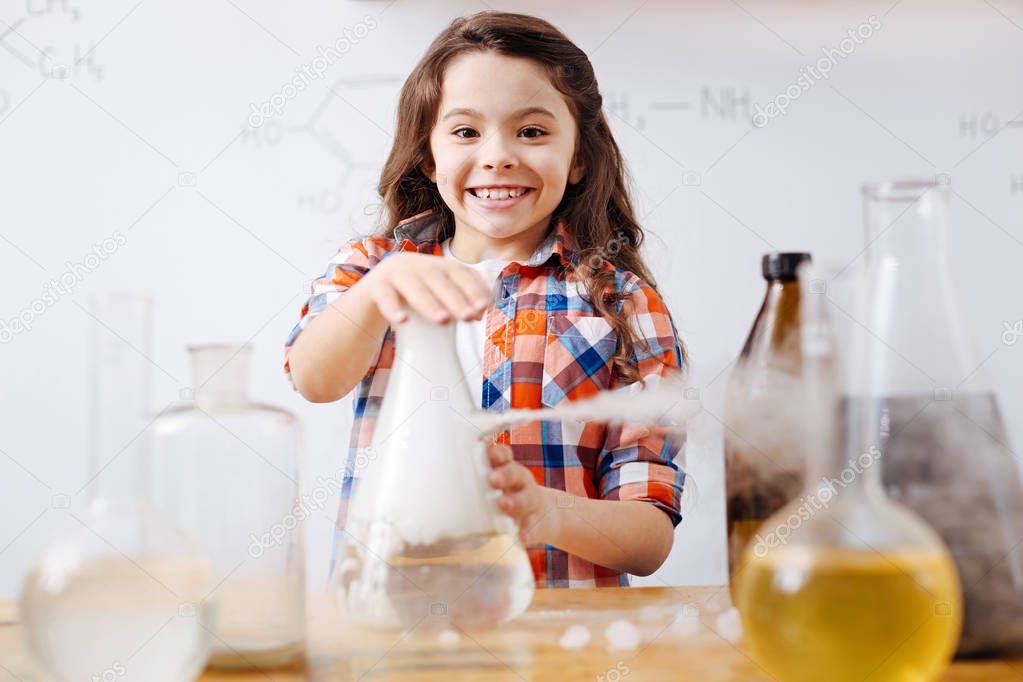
x: 307, y: 73
x: 615, y: 674
x: 1013, y: 332
x: 74, y: 273
x: 114, y: 672
x: 314, y: 500
x: 811, y: 504
x: 810, y: 75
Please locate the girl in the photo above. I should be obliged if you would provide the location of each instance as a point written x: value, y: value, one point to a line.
x: 507, y: 212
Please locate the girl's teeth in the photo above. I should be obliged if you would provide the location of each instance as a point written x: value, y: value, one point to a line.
x: 497, y: 193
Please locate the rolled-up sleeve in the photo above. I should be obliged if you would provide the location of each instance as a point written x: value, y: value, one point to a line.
x: 637, y: 462
x: 351, y: 262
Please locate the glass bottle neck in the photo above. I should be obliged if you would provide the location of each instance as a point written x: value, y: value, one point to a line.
x: 782, y: 296
x: 220, y: 376
x: 774, y: 337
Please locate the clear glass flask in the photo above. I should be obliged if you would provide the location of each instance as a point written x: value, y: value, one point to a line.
x: 425, y: 544
x: 227, y: 470
x: 843, y: 583
x: 121, y: 592
x: 947, y: 454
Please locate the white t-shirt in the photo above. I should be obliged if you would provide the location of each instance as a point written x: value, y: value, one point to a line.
x: 470, y: 336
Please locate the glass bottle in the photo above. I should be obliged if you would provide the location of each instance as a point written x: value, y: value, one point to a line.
x: 121, y: 592
x: 425, y: 543
x: 227, y: 469
x: 947, y: 452
x: 843, y: 583
x: 764, y: 451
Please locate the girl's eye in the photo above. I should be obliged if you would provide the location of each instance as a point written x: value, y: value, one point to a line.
x: 470, y: 130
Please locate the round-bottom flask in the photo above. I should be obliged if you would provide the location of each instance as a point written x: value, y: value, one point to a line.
x: 120, y: 595
x: 121, y: 592
x: 843, y: 583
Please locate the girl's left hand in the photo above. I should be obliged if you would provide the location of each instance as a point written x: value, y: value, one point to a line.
x: 532, y: 505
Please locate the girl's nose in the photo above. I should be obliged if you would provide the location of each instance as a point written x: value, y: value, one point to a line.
x: 497, y: 154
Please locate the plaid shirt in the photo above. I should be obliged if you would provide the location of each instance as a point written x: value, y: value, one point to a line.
x: 533, y: 361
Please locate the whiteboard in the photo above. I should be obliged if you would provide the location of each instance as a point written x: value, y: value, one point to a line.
x: 130, y: 131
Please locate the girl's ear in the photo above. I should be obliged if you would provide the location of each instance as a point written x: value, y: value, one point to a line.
x: 576, y: 175
x: 429, y: 171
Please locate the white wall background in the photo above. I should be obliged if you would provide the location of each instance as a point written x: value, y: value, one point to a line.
x: 145, y: 133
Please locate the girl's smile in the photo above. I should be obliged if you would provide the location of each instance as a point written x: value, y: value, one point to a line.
x: 498, y: 200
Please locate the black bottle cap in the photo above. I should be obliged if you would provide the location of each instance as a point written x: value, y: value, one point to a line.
x: 782, y: 264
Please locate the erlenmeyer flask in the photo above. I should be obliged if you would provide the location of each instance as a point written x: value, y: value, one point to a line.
x: 425, y: 543
x: 947, y: 455
x: 121, y: 593
x: 842, y: 583
x: 226, y: 469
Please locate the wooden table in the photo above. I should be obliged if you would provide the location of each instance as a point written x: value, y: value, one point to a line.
x: 686, y: 634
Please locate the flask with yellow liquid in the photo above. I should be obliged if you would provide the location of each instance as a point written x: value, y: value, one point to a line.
x: 843, y: 583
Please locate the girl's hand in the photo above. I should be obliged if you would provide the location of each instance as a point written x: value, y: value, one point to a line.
x: 437, y: 288
x: 532, y: 505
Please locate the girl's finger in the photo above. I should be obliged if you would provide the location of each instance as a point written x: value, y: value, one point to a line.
x: 449, y: 294
x: 510, y: 477
x: 389, y: 303
x: 419, y: 296
x: 513, y: 504
x: 499, y: 453
x: 474, y: 288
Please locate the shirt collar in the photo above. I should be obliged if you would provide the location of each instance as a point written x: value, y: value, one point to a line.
x: 424, y: 228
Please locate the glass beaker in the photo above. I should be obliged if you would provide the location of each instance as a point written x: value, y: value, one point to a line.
x: 843, y: 583
x: 227, y: 470
x: 425, y: 544
x: 765, y: 458
x: 122, y: 592
x: 947, y: 455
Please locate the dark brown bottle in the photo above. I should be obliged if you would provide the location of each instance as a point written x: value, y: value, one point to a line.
x: 763, y: 440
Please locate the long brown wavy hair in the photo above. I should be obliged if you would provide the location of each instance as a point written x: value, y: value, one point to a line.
x: 598, y: 210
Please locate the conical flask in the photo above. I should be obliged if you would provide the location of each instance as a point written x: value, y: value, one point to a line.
x: 425, y: 543
x: 121, y: 592
x: 843, y: 583
x: 947, y: 454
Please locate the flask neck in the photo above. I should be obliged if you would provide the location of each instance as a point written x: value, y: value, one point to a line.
x: 845, y: 449
x: 220, y: 375
x: 120, y: 348
x: 907, y: 221
x: 850, y: 464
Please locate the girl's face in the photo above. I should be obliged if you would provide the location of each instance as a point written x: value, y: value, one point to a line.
x: 501, y: 122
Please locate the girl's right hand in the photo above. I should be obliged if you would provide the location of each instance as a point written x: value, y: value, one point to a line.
x: 437, y: 288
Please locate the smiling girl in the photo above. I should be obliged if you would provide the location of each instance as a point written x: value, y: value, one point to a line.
x: 506, y: 213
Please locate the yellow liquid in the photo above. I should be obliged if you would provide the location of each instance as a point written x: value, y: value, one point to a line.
x: 740, y: 534
x: 849, y: 615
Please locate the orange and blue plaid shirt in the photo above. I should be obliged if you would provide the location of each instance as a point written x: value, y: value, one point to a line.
x: 533, y: 361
